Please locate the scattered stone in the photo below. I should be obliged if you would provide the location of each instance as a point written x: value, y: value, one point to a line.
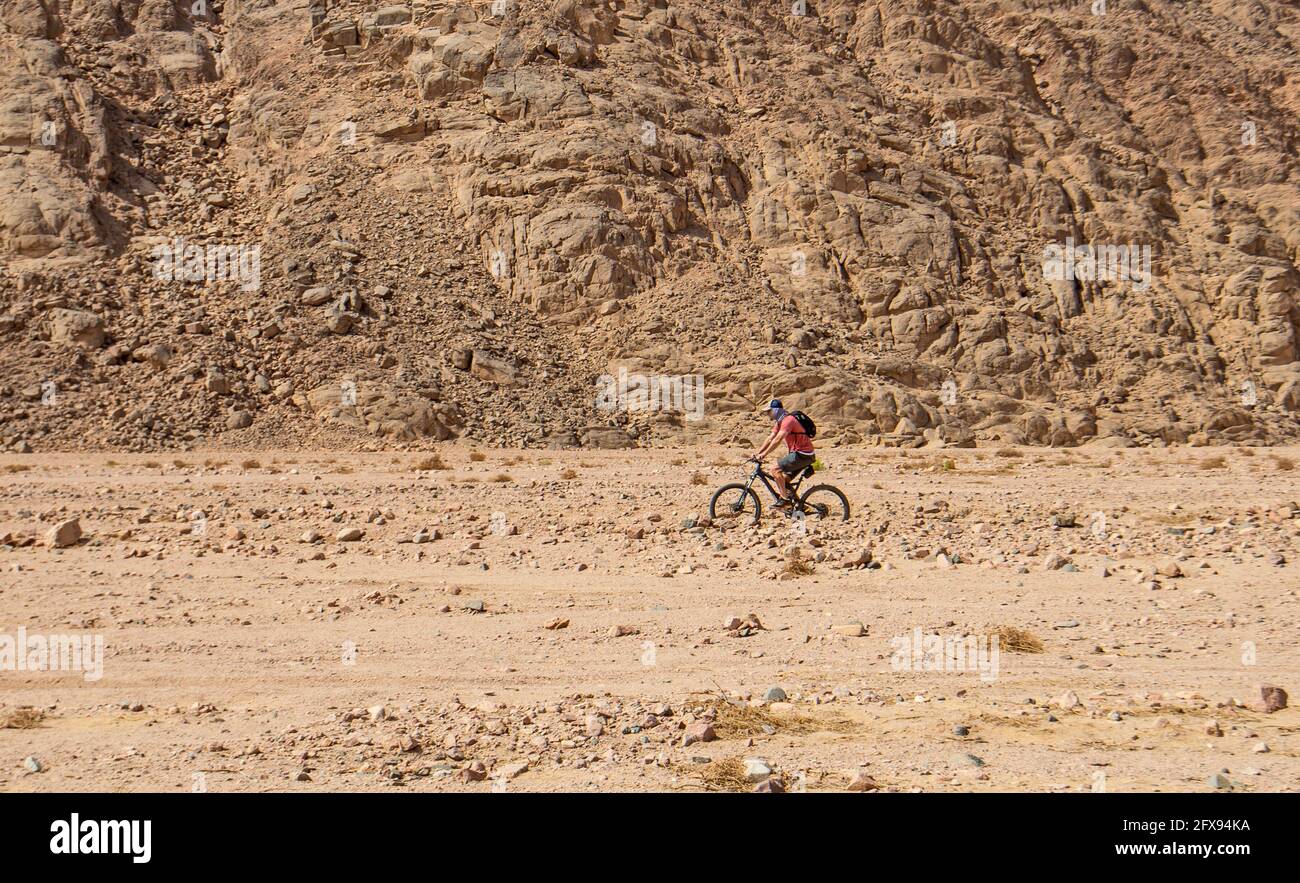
x: 756, y: 770
x: 1055, y: 561
x: 1068, y: 700
x: 64, y: 534
x: 700, y: 731
x: 513, y: 770
x: 863, y: 782
x: 1273, y: 698
x: 743, y: 628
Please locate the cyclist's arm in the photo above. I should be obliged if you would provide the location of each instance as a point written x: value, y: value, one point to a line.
x: 778, y: 435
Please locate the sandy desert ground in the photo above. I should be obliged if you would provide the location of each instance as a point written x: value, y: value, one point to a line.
x: 558, y: 620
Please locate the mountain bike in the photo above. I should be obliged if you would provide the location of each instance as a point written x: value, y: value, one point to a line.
x: 740, y: 501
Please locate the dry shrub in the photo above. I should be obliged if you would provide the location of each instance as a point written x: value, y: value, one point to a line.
x: 249, y: 464
x: 1017, y: 640
x: 502, y: 478
x: 1215, y: 462
x: 568, y: 475
x: 1007, y: 452
x: 17, y: 467
x: 798, y: 565
x: 428, y: 464
x: 477, y: 456
x: 734, y: 720
x: 22, y: 718
x: 1284, y: 464
x: 727, y: 774
x: 699, y: 478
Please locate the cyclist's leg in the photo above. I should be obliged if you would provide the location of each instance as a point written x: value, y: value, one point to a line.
x: 781, y: 474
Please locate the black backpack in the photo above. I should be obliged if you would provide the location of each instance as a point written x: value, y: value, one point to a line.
x: 809, y: 428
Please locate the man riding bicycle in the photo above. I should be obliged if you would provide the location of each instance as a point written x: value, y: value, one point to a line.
x: 788, y: 429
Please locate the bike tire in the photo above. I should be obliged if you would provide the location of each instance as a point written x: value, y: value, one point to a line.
x: 825, y: 489
x: 731, y: 509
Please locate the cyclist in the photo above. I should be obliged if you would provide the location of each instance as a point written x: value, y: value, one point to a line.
x: 785, y: 427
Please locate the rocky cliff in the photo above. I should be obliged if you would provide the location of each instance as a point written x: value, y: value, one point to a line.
x: 924, y: 222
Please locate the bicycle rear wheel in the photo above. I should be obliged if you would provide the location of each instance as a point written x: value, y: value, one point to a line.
x: 824, y: 502
x: 735, y: 502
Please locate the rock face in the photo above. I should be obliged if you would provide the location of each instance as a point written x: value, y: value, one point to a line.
x: 927, y: 224
x: 382, y: 411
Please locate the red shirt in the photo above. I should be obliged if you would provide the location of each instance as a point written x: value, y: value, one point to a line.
x: 795, y: 439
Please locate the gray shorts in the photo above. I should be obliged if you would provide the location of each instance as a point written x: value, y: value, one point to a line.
x: 793, y: 463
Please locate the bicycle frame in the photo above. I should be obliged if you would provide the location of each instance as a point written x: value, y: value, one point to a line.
x: 793, y: 483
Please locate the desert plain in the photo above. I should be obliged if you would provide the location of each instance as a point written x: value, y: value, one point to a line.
x: 506, y: 620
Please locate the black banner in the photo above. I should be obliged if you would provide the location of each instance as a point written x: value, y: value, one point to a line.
x: 141, y: 832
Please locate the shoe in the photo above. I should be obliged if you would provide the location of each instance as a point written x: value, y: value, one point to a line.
x: 784, y: 504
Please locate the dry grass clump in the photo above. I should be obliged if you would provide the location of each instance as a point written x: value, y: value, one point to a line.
x: 22, y: 718
x: 797, y: 565
x: 1215, y: 462
x: 477, y: 456
x: 17, y: 467
x: 1017, y: 640
x: 568, y: 475
x: 727, y: 774
x: 699, y: 478
x: 250, y: 464
x: 734, y: 720
x: 428, y: 464
x: 1283, y: 464
x: 502, y: 478
x: 1007, y: 452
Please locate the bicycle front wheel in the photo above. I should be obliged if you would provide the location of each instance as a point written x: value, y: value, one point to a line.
x: 735, y: 502
x: 825, y: 502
